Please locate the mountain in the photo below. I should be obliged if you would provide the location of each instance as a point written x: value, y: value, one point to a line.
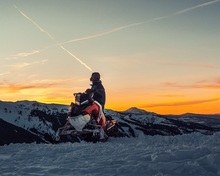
x: 29, y: 121
x: 135, y: 110
x: 33, y: 117
x: 12, y: 134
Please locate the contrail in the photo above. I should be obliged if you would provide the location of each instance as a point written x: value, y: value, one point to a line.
x: 140, y: 23
x: 51, y: 37
x: 35, y: 24
x: 115, y: 29
x: 195, y: 7
x: 75, y: 57
x: 103, y: 33
x: 111, y: 31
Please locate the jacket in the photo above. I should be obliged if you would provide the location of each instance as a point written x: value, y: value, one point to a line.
x: 99, y: 92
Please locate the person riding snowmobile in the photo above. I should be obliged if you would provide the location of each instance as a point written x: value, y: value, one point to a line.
x: 86, y: 119
x: 98, y: 89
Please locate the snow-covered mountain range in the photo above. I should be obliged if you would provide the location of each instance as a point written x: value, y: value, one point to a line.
x: 28, y: 121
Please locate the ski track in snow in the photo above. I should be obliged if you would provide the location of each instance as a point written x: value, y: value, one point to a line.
x: 184, y: 155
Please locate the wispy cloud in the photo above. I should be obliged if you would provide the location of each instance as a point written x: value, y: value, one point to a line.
x: 204, y: 84
x: 27, y: 64
x: 190, y: 65
x: 17, y: 67
x: 169, y: 95
x: 25, y: 54
x: 45, y: 84
x: 51, y: 37
x: 16, y: 88
x: 22, y: 54
x: 48, y: 92
x: 5, y: 73
x: 182, y: 103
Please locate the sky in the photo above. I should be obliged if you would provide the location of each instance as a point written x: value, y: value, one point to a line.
x: 157, y: 55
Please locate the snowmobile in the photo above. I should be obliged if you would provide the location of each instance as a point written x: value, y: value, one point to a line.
x: 87, y: 121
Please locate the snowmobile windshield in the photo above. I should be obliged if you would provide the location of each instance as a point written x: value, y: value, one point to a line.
x: 81, y: 98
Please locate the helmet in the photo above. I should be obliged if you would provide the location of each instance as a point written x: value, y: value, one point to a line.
x: 95, y: 77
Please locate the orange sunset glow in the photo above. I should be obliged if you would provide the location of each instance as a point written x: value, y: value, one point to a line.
x: 160, y: 57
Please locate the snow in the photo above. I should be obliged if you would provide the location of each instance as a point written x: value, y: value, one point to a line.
x: 189, y: 154
x: 19, y: 114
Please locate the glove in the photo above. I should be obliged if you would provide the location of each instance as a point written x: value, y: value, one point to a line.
x: 89, y: 91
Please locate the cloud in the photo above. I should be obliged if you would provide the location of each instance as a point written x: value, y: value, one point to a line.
x: 16, y: 88
x: 183, y: 103
x: 169, y: 84
x: 15, y: 68
x: 190, y: 65
x: 21, y: 65
x: 45, y: 85
x: 50, y: 91
x: 169, y: 95
x: 25, y: 54
x: 204, y: 84
x: 5, y: 73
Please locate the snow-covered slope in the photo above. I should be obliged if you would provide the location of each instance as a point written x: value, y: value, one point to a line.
x: 10, y: 133
x: 156, y: 145
x: 182, y: 155
x: 31, y: 115
x: 39, y: 118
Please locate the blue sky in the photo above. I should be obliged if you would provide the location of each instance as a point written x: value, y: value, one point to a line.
x: 160, y: 55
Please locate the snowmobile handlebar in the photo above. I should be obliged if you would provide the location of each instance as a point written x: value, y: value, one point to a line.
x: 83, y: 98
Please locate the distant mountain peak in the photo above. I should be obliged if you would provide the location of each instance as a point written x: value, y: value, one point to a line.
x: 135, y: 110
